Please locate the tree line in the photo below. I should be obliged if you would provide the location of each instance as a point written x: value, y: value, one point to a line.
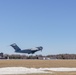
x: 48, y: 57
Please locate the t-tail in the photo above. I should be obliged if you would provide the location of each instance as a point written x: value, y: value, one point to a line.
x: 17, y: 49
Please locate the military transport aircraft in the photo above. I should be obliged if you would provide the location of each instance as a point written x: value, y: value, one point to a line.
x: 28, y: 51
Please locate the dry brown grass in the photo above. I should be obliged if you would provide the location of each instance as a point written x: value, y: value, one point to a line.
x: 41, y: 63
x: 57, y: 73
x: 38, y: 63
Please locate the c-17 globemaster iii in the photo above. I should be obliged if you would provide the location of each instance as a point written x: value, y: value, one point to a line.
x: 28, y: 51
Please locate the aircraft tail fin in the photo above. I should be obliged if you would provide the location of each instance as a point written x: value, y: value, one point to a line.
x: 15, y: 47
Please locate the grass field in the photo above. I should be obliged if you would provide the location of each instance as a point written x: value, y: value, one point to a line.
x: 41, y: 64
x: 38, y: 63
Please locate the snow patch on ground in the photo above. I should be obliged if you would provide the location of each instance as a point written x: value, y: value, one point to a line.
x: 24, y: 70
x: 20, y: 70
x: 59, y: 69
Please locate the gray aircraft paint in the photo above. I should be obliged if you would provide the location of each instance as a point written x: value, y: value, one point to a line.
x: 28, y: 51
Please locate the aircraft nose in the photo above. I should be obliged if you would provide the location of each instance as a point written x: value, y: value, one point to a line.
x: 41, y: 47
